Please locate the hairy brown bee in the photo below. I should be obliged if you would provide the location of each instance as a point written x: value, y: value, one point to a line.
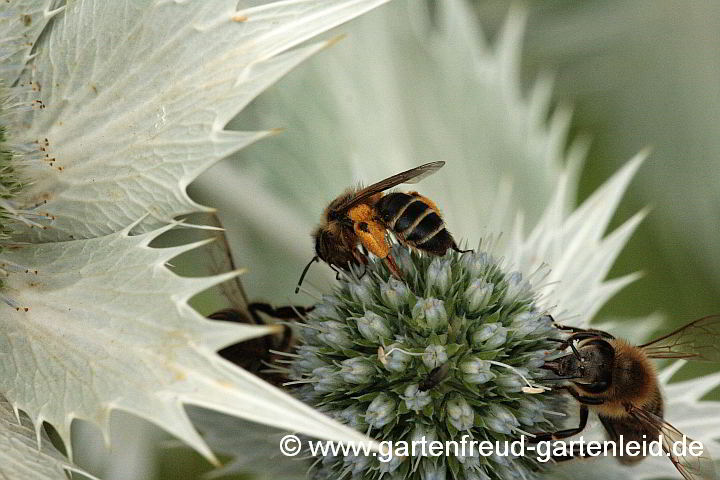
x: 436, y: 376
x: 256, y: 355
x: 618, y: 381
x: 364, y: 216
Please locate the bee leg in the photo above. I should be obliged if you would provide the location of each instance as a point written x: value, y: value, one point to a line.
x: 575, y: 330
x: 392, y: 266
x: 457, y: 249
x: 288, y: 312
x: 581, y: 398
x: 284, y: 313
x: 337, y: 272
x: 568, y: 432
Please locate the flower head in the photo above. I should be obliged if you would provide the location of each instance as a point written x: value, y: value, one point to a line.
x: 435, y: 356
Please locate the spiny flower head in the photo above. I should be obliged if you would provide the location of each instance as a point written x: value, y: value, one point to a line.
x: 10, y: 185
x: 453, y: 349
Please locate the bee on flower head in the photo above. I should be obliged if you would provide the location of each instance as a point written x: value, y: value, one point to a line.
x: 617, y: 380
x: 364, y: 216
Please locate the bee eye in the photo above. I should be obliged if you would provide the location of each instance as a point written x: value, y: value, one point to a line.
x: 363, y: 226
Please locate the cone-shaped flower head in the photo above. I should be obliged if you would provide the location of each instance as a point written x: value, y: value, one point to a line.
x: 448, y: 351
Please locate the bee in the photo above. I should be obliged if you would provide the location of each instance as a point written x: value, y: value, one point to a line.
x: 365, y: 215
x: 258, y: 355
x: 618, y: 381
x: 435, y: 377
x: 255, y: 355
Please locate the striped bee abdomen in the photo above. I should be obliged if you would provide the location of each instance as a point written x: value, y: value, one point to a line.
x: 415, y: 222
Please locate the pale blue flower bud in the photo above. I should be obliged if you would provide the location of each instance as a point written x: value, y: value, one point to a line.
x: 490, y: 335
x: 333, y: 334
x: 545, y: 325
x: 478, y: 294
x: 391, y: 466
x: 439, y: 274
x: 327, y: 379
x: 476, y: 370
x: 434, y: 356
x: 460, y: 413
x: 423, y: 431
x: 430, y: 314
x: 308, y: 358
x: 357, y: 463
x: 357, y: 370
x: 324, y: 311
x: 476, y: 474
x: 394, y: 293
x: 402, y: 258
x: 381, y: 411
x: 362, y: 291
x: 530, y: 411
x: 435, y: 472
x: 373, y: 327
x: 352, y: 417
x: 517, y: 290
x: 476, y: 263
x: 395, y: 360
x: 415, y: 399
x: 499, y: 419
x: 469, y: 461
x: 535, y: 359
x: 525, y: 323
x: 511, y: 381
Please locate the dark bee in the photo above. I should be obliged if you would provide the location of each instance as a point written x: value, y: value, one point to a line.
x: 255, y: 355
x: 364, y: 216
x: 435, y: 377
x: 618, y: 381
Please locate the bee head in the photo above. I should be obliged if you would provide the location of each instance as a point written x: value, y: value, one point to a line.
x: 331, y: 249
x: 591, y: 363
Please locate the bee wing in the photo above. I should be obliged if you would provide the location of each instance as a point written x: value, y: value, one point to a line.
x: 414, y: 175
x: 690, y: 467
x: 698, y: 340
x: 221, y: 261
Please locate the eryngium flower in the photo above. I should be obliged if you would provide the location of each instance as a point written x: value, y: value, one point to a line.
x: 454, y: 349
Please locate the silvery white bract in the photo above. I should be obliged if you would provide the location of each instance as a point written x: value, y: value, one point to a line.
x: 401, y: 91
x: 108, y: 117
x: 384, y: 118
x: 20, y: 457
x: 642, y: 73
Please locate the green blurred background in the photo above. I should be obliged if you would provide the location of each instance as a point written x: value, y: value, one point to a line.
x: 643, y: 73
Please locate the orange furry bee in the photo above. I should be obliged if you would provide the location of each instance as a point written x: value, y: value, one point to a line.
x: 363, y: 216
x: 618, y: 381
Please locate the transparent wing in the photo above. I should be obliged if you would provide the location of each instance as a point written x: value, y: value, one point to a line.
x: 221, y: 261
x: 698, y: 340
x: 414, y: 175
x: 690, y: 467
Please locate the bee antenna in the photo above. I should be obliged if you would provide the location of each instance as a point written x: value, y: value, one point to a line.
x: 575, y: 351
x: 302, y: 276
